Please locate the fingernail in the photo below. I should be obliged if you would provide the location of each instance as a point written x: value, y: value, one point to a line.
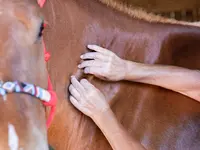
x: 84, y: 80
x: 81, y: 56
x: 79, y: 66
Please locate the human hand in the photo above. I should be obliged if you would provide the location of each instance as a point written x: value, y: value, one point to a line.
x: 103, y: 64
x: 86, y: 98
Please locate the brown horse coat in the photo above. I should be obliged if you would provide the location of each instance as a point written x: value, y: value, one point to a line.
x: 158, y: 118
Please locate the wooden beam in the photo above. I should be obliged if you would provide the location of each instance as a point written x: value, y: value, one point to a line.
x: 164, y: 5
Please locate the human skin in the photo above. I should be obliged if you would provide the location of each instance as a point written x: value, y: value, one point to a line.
x: 108, y: 66
x: 90, y: 101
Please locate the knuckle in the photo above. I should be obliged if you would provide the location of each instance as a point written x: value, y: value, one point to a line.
x: 95, y: 55
x: 87, y: 63
x: 92, y: 62
x: 75, y: 84
x: 87, y: 55
x: 99, y: 56
x: 83, y: 63
x: 73, y: 91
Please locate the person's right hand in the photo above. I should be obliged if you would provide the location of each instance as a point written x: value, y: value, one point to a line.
x: 87, y: 98
x: 103, y: 64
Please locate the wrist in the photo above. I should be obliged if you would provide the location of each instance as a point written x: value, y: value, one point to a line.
x: 131, y: 70
x: 124, y: 69
x: 100, y: 118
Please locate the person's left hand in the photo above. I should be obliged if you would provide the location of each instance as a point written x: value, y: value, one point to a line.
x: 86, y: 98
x: 103, y: 64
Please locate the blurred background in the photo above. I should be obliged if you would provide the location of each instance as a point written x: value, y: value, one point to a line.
x: 186, y: 10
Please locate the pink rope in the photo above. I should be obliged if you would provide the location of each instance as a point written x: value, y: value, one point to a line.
x: 53, y: 101
x: 41, y: 2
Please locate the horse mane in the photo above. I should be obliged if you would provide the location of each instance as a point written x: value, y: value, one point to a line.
x: 141, y: 14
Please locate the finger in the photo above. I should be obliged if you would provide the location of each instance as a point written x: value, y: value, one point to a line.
x: 74, y: 92
x: 92, y: 55
x: 98, y: 49
x: 75, y: 102
x: 86, y: 84
x: 90, y: 63
x: 93, y: 70
x: 76, y: 84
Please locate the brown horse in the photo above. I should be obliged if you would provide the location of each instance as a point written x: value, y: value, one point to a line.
x: 158, y: 118
x: 22, y: 116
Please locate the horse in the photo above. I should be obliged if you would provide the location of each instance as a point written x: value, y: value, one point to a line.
x: 21, y: 47
x: 23, y: 77
x: 156, y: 117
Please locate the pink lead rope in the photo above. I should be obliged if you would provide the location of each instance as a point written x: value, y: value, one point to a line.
x: 53, y: 100
x: 41, y: 2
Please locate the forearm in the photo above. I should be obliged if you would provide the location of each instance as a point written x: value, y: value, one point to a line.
x: 178, y: 79
x: 115, y: 133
